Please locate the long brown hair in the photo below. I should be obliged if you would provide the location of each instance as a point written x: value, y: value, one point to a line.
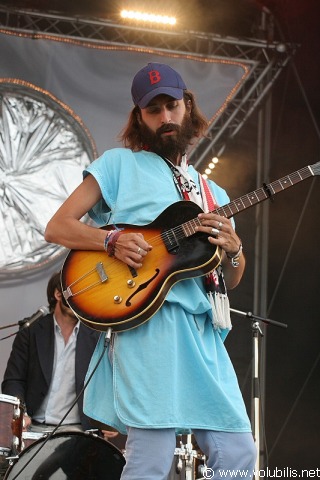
x: 53, y: 285
x: 130, y: 136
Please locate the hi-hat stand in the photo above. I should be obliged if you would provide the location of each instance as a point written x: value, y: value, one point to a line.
x: 256, y: 333
x: 187, y: 461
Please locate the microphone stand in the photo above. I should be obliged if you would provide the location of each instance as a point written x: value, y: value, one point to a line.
x: 25, y: 322
x: 8, y: 326
x: 256, y: 332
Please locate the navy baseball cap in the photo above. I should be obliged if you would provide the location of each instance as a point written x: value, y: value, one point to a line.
x: 154, y: 79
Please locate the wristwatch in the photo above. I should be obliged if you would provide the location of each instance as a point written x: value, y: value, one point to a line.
x: 235, y: 259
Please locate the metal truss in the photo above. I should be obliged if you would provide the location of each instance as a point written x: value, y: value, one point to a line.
x: 265, y: 60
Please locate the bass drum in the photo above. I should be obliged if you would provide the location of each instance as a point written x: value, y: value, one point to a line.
x: 68, y: 456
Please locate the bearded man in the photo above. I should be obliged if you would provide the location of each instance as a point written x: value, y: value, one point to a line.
x: 170, y: 372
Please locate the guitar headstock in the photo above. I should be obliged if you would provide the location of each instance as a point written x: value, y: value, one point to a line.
x: 315, y: 168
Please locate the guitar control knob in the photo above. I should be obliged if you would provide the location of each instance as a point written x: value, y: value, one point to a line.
x: 117, y: 299
x: 131, y: 283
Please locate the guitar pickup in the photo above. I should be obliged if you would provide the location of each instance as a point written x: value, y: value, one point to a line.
x: 170, y: 240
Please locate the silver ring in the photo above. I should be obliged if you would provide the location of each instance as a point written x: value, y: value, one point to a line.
x: 220, y: 225
x: 215, y: 231
x: 139, y: 250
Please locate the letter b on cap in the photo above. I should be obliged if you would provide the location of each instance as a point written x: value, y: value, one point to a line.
x: 154, y: 77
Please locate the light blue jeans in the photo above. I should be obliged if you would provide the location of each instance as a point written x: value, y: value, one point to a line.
x: 150, y: 453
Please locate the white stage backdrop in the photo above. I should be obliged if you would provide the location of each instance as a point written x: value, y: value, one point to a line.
x: 94, y: 83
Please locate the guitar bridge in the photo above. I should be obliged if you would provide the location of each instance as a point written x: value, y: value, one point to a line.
x: 99, y: 269
x: 133, y: 271
x: 101, y: 272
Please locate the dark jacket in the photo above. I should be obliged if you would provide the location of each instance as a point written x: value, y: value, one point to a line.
x: 29, y: 369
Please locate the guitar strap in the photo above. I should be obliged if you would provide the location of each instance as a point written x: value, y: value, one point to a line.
x: 214, y: 281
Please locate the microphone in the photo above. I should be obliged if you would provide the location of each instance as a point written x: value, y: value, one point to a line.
x: 26, y: 322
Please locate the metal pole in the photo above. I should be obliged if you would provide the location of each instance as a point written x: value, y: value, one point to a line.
x: 261, y: 256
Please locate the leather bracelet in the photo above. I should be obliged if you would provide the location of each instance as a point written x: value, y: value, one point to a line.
x: 236, y: 257
x: 112, y: 242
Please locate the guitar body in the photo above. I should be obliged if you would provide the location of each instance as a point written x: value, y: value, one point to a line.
x: 104, y: 292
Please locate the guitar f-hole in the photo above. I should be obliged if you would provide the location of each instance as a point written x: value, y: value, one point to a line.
x: 142, y: 287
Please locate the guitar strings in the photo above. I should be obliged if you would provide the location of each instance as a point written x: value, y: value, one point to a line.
x: 178, y: 232
x: 259, y: 194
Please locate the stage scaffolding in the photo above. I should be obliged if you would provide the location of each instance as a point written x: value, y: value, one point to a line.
x: 265, y: 60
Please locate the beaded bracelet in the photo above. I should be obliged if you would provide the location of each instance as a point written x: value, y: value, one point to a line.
x: 106, y: 240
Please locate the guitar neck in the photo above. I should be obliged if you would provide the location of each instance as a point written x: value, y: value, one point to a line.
x: 246, y: 201
x: 267, y: 191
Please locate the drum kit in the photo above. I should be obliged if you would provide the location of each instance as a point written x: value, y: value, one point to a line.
x: 70, y: 455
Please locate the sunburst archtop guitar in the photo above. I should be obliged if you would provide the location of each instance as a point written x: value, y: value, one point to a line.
x: 106, y: 293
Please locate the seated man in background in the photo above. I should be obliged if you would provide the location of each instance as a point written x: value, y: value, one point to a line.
x: 48, y: 364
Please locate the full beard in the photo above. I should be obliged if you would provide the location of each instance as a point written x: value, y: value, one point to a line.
x: 169, y: 146
x: 67, y: 311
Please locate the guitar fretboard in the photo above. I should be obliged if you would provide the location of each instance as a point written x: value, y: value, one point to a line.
x: 265, y: 192
x: 250, y: 199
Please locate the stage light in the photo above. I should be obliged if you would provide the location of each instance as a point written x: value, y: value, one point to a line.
x: 211, y: 166
x: 148, y: 17
x: 281, y: 48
